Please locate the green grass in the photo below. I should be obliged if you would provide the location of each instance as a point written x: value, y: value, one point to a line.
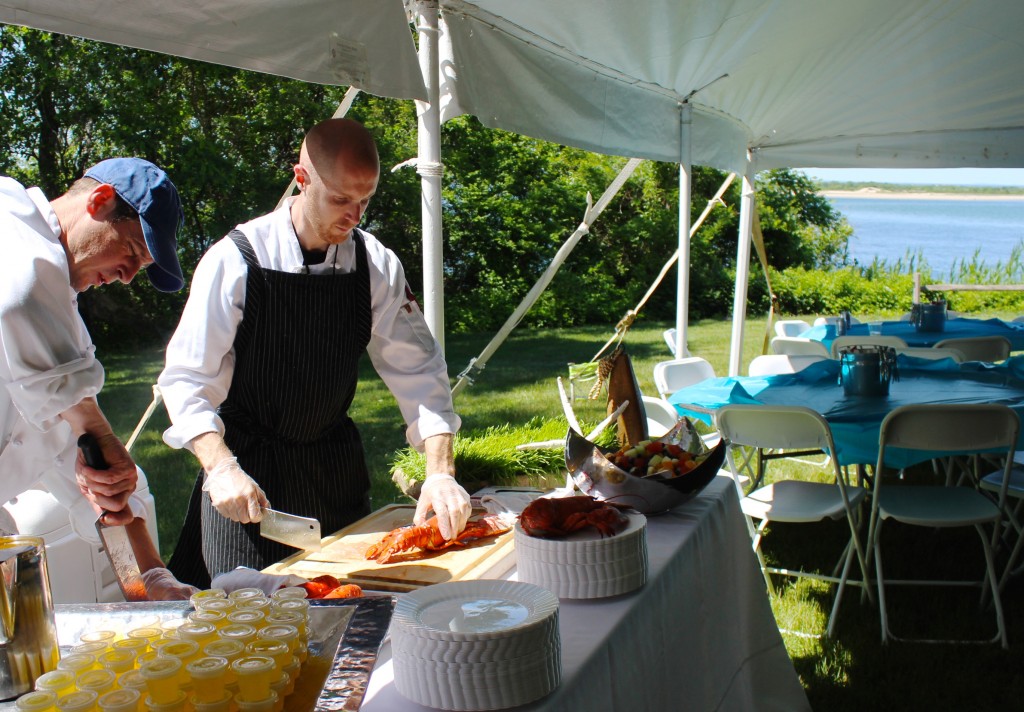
x: 850, y: 672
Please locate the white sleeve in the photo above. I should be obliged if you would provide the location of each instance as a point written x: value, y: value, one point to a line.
x: 407, y: 356
x: 200, y: 355
x: 48, y: 352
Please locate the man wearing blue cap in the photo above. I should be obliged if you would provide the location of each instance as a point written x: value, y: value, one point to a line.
x: 122, y: 216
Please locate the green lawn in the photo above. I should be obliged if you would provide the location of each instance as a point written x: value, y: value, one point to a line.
x: 851, y: 672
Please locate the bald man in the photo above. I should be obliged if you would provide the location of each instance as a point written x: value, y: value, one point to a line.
x: 262, y: 369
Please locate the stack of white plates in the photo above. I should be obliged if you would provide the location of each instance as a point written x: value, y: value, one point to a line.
x: 585, y: 564
x: 476, y: 645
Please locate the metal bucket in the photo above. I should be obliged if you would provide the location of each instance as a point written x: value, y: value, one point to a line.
x: 867, y: 370
x: 929, y: 317
x: 28, y: 633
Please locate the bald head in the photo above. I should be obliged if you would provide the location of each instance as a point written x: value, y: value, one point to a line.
x: 336, y: 145
x: 337, y: 175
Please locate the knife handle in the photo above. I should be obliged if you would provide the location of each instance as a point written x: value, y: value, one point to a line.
x: 91, y: 452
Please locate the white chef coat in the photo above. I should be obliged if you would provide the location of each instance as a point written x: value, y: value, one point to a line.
x: 200, y: 355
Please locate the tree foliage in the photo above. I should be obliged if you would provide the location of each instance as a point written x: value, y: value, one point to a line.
x: 228, y: 138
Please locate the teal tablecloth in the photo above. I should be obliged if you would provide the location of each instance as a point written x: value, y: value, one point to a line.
x: 856, y: 420
x: 955, y: 329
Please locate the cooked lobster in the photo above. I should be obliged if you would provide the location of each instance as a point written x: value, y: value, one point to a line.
x: 551, y: 518
x: 326, y: 586
x: 428, y: 537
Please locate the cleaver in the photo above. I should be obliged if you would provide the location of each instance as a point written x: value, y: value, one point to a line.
x: 115, y: 538
x: 300, y: 532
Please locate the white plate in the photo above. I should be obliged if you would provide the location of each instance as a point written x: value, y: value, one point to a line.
x: 538, y: 638
x: 474, y: 610
x: 584, y: 538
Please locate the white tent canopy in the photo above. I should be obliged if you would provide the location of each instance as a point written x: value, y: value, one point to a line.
x: 765, y: 83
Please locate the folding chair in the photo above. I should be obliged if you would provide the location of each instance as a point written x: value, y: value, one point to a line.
x: 866, y: 340
x: 946, y: 429
x: 670, y: 376
x: 791, y: 327
x: 799, y: 346
x: 661, y: 416
x: 979, y: 348
x: 794, y: 500
x: 932, y: 353
x: 993, y: 483
x: 777, y: 364
x: 833, y: 320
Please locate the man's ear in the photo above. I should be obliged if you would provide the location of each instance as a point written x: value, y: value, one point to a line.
x: 301, y: 176
x: 100, y: 202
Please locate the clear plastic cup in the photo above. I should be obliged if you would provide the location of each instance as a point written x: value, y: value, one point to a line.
x: 242, y: 632
x: 242, y: 594
x: 292, y: 618
x: 223, y: 704
x: 59, y: 682
x: 276, y: 650
x: 146, y: 633
x: 265, y: 704
x: 184, y: 650
x: 289, y: 592
x: 77, y: 701
x: 132, y: 680
x: 99, y: 681
x: 230, y: 650
x: 161, y: 676
x: 209, y: 677
x: 160, y: 642
x: 77, y: 663
x: 136, y: 645
x: 250, y: 617
x: 117, y: 661
x: 98, y: 636
x: 255, y: 673
x: 146, y: 657
x: 293, y: 668
x: 219, y: 605
x: 36, y: 701
x: 200, y: 633
x: 253, y: 604
x: 93, y: 648
x: 198, y: 598
x: 175, y: 705
x: 287, y: 634
x: 170, y: 627
x: 124, y: 700
x: 280, y: 688
x: 214, y: 617
x: 294, y: 605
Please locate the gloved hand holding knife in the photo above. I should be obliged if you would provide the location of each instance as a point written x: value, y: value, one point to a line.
x: 233, y: 493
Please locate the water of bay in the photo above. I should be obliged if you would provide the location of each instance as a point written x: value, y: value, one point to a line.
x: 942, y: 231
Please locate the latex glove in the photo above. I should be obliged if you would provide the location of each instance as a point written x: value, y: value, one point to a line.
x: 243, y: 577
x: 162, y: 586
x: 233, y: 493
x: 448, y: 500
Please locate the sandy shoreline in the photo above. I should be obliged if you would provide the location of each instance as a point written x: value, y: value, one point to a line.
x: 878, y: 194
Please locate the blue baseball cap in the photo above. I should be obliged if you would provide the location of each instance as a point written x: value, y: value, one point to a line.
x: 153, y: 196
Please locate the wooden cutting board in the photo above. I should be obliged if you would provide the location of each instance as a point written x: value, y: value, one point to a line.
x: 343, y: 552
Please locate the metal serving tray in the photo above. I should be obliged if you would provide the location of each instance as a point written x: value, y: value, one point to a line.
x: 344, y: 638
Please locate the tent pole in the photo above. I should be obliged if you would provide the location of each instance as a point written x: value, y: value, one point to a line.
x: 428, y: 165
x: 739, y: 304
x: 683, y: 268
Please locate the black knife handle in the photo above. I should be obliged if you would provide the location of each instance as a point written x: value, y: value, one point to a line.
x: 91, y: 451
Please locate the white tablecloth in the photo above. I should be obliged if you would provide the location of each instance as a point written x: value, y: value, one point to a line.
x: 700, y: 635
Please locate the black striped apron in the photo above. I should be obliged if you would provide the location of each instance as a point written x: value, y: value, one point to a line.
x: 286, y: 413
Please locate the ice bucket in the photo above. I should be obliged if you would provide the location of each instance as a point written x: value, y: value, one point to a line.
x: 867, y: 370
x: 28, y: 633
x: 930, y: 317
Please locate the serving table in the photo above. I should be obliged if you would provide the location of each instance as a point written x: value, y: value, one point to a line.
x: 699, y: 635
x: 958, y: 328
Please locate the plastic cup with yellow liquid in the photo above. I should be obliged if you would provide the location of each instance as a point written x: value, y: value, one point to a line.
x: 266, y: 704
x: 242, y: 594
x: 98, y: 636
x: 37, y: 701
x: 147, y: 633
x: 99, y: 681
x: 255, y: 673
x: 293, y: 668
x: 218, y: 619
x: 162, y: 678
x: 123, y: 700
x: 287, y: 634
x: 178, y: 704
x: 94, y: 648
x: 280, y: 687
x: 200, y: 633
x: 184, y: 650
x: 289, y: 592
x: 223, y: 704
x: 230, y: 650
x: 136, y: 645
x: 292, y: 618
x: 77, y: 663
x: 217, y: 605
x: 60, y: 682
x: 251, y: 617
x: 242, y: 632
x: 117, y: 661
x: 133, y: 680
x: 198, y: 598
x: 276, y: 650
x: 253, y: 604
x: 77, y: 701
x: 209, y: 678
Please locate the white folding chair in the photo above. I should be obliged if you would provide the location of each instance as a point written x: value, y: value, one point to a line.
x: 670, y: 376
x: 778, y: 364
x: 795, y: 500
x: 932, y: 353
x: 670, y: 338
x: 791, y: 327
x: 661, y: 416
x: 947, y: 429
x: 979, y: 348
x: 833, y: 320
x: 993, y: 483
x: 799, y: 346
x: 866, y: 340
